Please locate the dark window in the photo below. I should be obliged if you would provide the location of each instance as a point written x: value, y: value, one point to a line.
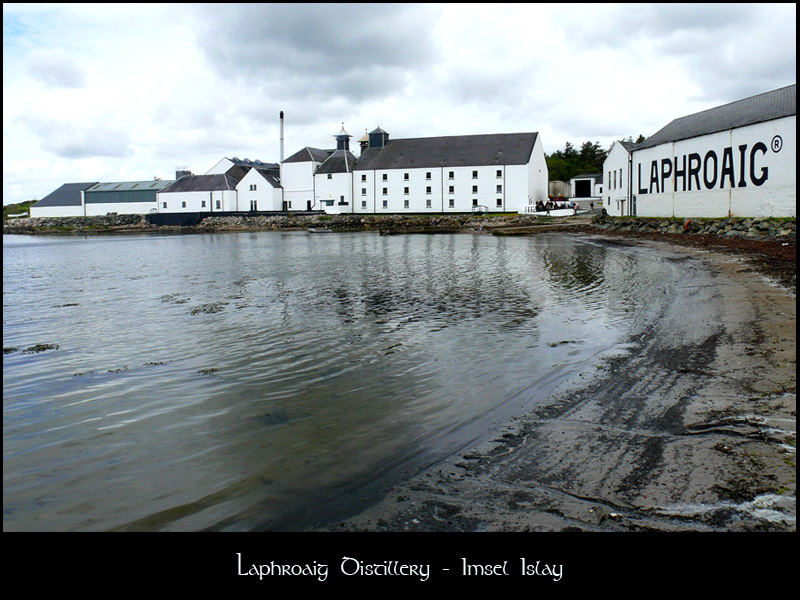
x: 164, y: 205
x: 253, y: 187
x: 405, y: 176
x: 451, y: 189
x: 385, y: 191
x: 499, y: 202
x: 428, y: 190
x: 183, y: 204
x: 428, y: 175
x: 405, y: 191
x: 474, y: 174
x: 405, y: 203
x: 385, y: 177
x: 203, y: 204
x: 330, y: 176
x: 499, y: 189
x: 474, y: 202
x: 452, y: 203
x: 428, y: 203
x: 363, y: 191
x: 363, y: 204
x: 451, y: 175
x: 219, y: 204
x: 363, y: 178
x: 499, y: 173
x: 385, y: 203
x: 474, y: 189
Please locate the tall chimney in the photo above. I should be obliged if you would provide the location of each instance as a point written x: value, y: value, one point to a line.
x: 281, y: 136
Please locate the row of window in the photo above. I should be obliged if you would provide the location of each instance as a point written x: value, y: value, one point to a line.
x: 450, y: 189
x: 407, y: 176
x: 614, y: 179
x: 202, y: 204
x: 451, y: 203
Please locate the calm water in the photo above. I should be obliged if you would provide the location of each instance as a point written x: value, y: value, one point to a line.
x: 274, y: 380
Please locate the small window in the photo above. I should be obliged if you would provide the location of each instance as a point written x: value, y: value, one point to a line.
x: 474, y: 189
x: 499, y: 173
x: 341, y: 198
x: 202, y: 204
x: 384, y: 177
x: 363, y: 178
x: 330, y: 176
x: 288, y: 204
x: 428, y: 175
x: 385, y: 191
x: 183, y: 204
x: 405, y: 176
x: 385, y: 203
x: 451, y: 189
x: 474, y: 202
x: 499, y: 189
x: 452, y: 203
x: 405, y: 191
x: 451, y: 175
x: 363, y: 204
x: 252, y: 187
x: 474, y: 174
x: 499, y: 202
x: 363, y: 191
x: 428, y: 203
x: 219, y: 204
x: 405, y: 203
x: 428, y: 190
x: 163, y: 205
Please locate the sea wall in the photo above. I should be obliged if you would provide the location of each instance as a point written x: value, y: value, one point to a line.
x: 752, y: 228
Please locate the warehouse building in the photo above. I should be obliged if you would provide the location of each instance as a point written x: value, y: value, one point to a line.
x: 66, y: 201
x: 494, y: 172
x: 95, y: 198
x: 586, y: 187
x: 738, y: 159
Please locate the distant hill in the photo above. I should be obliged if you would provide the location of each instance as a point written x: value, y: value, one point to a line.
x: 15, y: 209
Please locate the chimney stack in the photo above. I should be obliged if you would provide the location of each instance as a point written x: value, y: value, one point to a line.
x: 281, y: 136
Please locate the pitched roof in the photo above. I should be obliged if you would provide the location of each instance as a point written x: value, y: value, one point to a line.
x: 308, y: 154
x: 68, y: 194
x: 756, y: 109
x: 598, y: 177
x: 271, y: 176
x: 341, y: 161
x: 246, y: 162
x: 131, y: 186
x: 629, y: 146
x: 451, y: 151
x: 202, y: 183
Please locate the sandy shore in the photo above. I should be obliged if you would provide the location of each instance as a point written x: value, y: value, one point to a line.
x: 692, y: 428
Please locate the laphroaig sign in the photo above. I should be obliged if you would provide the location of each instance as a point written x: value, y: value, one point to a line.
x: 731, y: 167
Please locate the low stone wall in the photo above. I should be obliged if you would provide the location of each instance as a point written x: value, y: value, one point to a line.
x: 77, y: 224
x: 731, y: 227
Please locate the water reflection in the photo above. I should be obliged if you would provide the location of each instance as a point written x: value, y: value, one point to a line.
x: 234, y: 380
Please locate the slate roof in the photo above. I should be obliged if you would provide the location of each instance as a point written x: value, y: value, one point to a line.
x: 68, y: 194
x: 629, y: 146
x: 756, y: 109
x: 598, y: 177
x: 203, y: 183
x: 246, y: 162
x: 451, y: 151
x: 341, y: 161
x: 131, y: 186
x: 308, y: 154
x: 271, y: 176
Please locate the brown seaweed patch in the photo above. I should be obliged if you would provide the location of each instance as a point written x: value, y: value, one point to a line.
x: 40, y: 348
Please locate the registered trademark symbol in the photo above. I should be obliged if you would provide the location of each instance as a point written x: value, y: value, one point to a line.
x: 777, y: 143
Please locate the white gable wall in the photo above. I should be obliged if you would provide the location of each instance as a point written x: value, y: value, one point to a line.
x: 616, y: 197
x: 220, y: 168
x: 334, y: 195
x: 265, y: 196
x: 297, y: 180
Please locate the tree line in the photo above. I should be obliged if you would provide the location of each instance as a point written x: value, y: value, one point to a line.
x: 569, y: 162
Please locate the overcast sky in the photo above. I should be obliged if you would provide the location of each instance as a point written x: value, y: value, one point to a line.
x: 128, y: 92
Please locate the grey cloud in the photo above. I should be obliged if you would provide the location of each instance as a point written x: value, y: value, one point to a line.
x: 323, y: 50
x: 70, y: 141
x: 56, y: 70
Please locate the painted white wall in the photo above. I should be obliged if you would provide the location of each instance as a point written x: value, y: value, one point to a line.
x: 265, y: 196
x: 297, y: 180
x: 220, y: 168
x: 194, y: 201
x: 654, y: 172
x: 57, y: 211
x: 330, y: 193
x: 616, y: 195
x: 538, y: 175
x: 121, y: 208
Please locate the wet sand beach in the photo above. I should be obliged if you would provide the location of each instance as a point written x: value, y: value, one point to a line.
x: 691, y: 429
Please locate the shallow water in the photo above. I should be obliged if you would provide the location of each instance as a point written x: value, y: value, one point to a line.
x: 273, y: 380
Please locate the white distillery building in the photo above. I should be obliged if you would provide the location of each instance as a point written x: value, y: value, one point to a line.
x: 231, y: 185
x: 738, y: 159
x: 617, y: 197
x: 586, y: 187
x: 456, y: 174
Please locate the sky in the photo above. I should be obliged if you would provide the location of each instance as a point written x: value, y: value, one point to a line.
x: 133, y: 92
